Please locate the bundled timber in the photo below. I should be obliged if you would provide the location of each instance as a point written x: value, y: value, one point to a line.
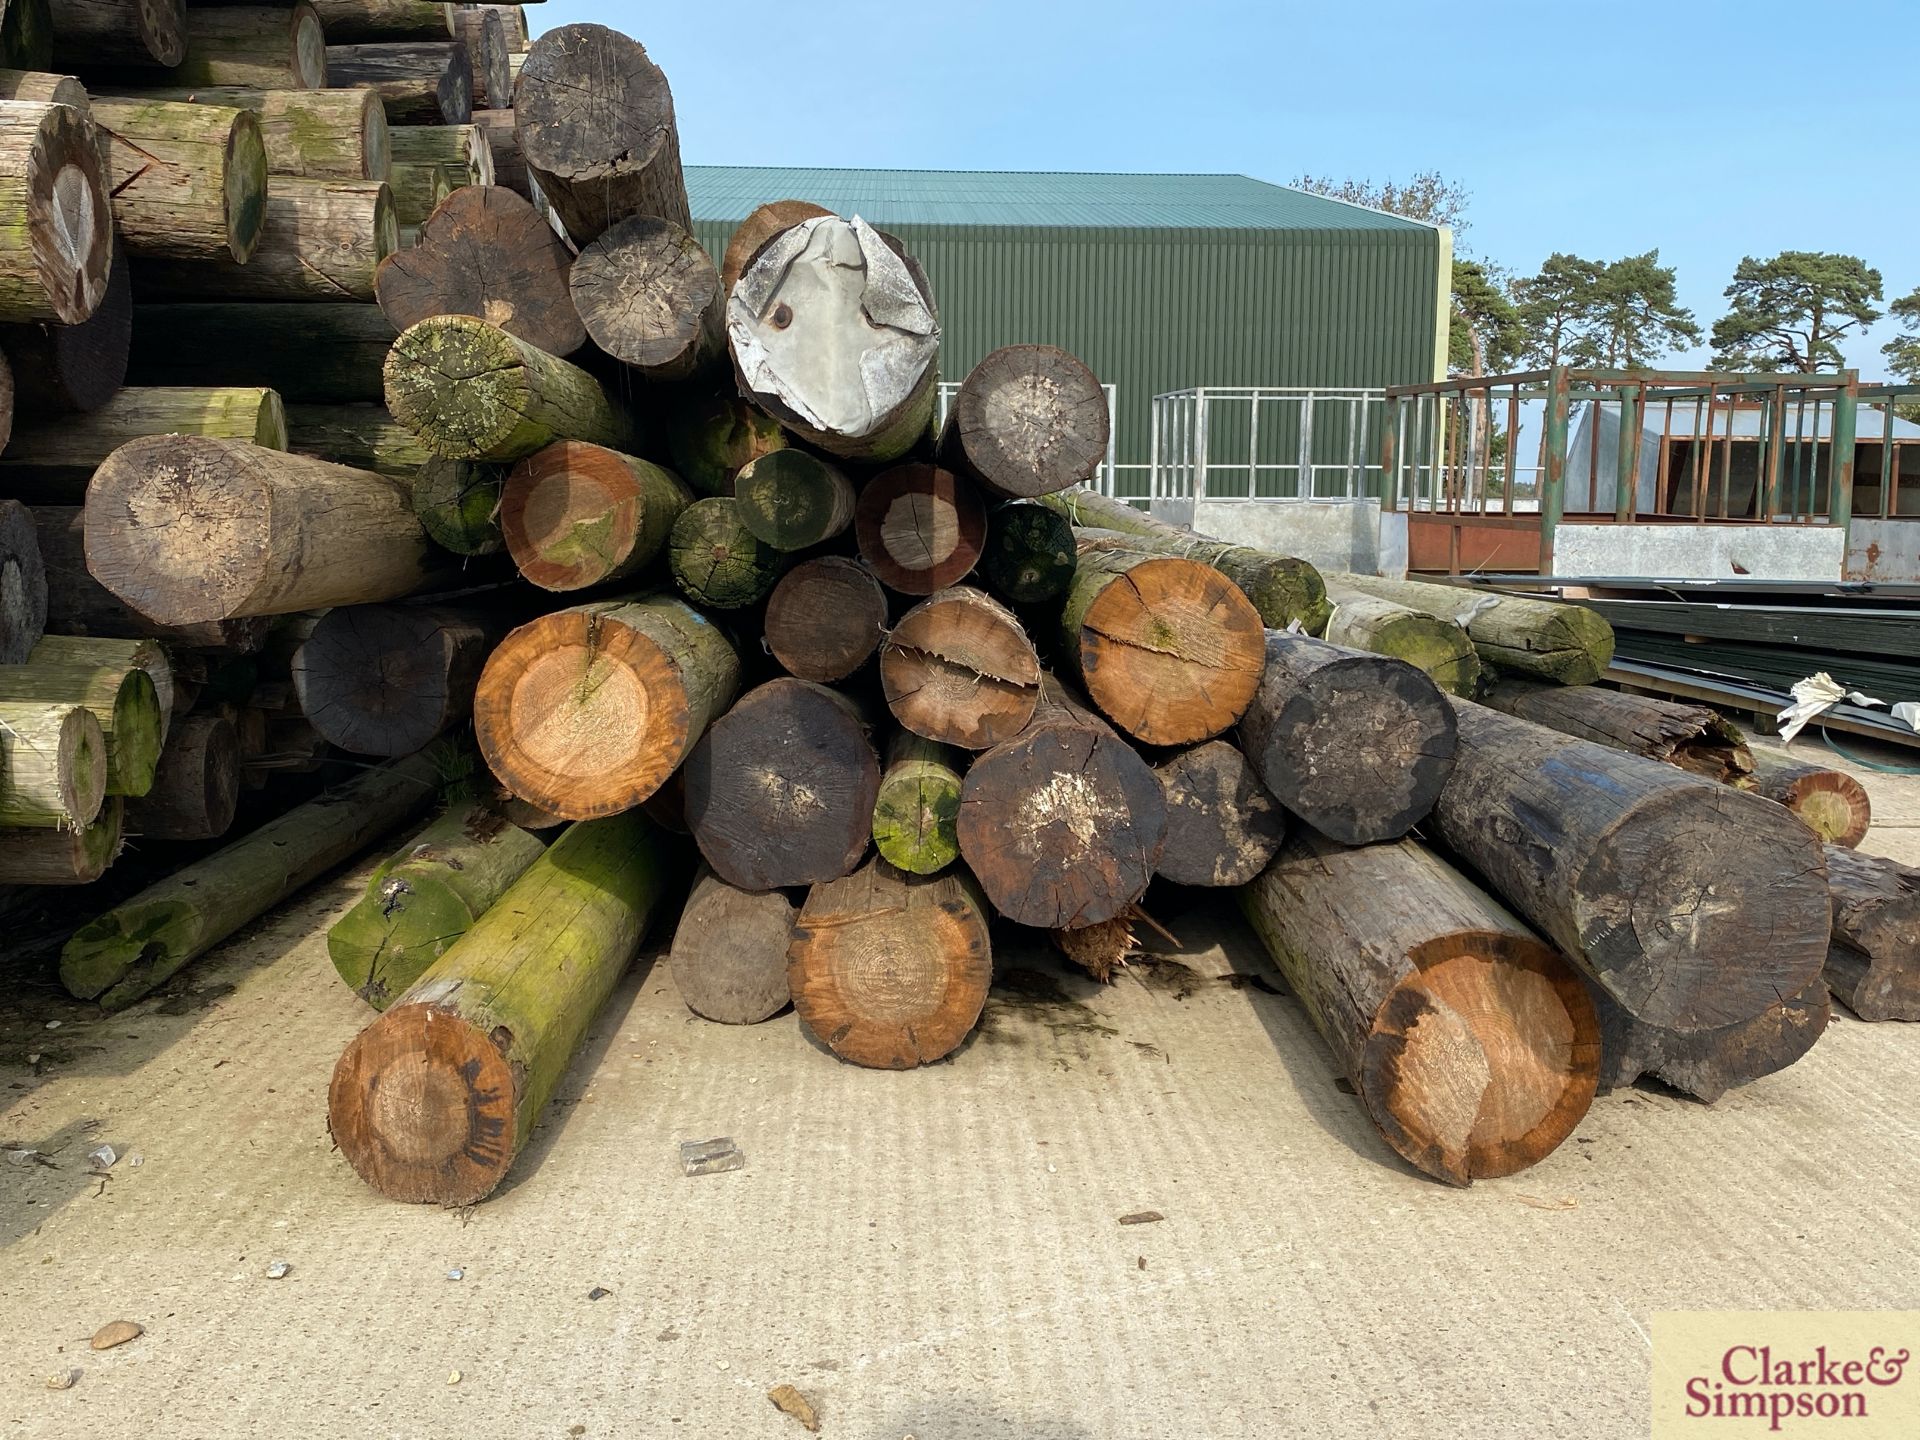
x: 475, y: 392
x: 424, y: 897
x: 1223, y: 825
x: 717, y: 560
x: 780, y: 791
x: 959, y: 669
x: 916, y: 814
x: 26, y: 34
x: 23, y: 584
x: 482, y: 30
x: 1692, y: 737
x: 1424, y: 640
x: 322, y: 241
x: 919, y: 528
x: 50, y: 462
x: 575, y: 515
x: 265, y: 47
x: 825, y: 619
x: 432, y: 1101
x: 189, y: 181
x: 323, y: 354
x: 1063, y: 825
x: 421, y: 82
x: 750, y: 237
x: 385, y: 679
x: 650, y: 296
x: 1873, y: 965
x: 56, y: 255
x: 290, y: 533
x: 314, y: 134
x: 106, y: 653
x: 197, y: 785
x: 891, y: 971
x: 119, y: 32
x: 121, y: 697
x: 587, y: 711
x: 1694, y: 905
x: 347, y: 20
x: 793, y: 500
x: 485, y: 252
x: 729, y: 957
x: 364, y: 437
x: 1831, y: 803
x: 1565, y: 643
x: 62, y: 857
x: 620, y: 156
x: 1030, y: 556
x: 458, y: 504
x: 710, y: 438
x: 62, y: 369
x: 1473, y: 1046
x: 1708, y: 1063
x: 1028, y: 420
x: 833, y: 333
x: 53, y: 765
x: 1173, y: 655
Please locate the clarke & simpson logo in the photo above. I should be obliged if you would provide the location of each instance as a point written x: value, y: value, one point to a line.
x: 1800, y: 1373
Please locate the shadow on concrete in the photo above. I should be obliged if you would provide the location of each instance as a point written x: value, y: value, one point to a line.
x: 972, y: 1417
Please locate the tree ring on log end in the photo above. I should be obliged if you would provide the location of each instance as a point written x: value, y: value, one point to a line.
x: 542, y: 507
x: 921, y: 528
x: 68, y: 219
x: 1031, y: 420
x: 308, y: 51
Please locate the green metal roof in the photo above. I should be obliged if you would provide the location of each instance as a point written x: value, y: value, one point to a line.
x: 1032, y: 199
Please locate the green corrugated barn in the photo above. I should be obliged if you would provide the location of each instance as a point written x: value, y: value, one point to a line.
x: 1159, y: 282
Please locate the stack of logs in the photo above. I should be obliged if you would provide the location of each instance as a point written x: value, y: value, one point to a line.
x: 442, y: 426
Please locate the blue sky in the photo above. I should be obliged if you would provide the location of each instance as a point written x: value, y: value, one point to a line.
x: 1722, y: 131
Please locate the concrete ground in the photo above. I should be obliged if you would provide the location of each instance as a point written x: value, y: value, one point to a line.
x: 936, y: 1254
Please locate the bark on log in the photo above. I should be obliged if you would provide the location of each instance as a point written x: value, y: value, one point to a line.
x: 424, y: 897
x: 1873, y: 964
x: 458, y: 503
x: 793, y: 500
x: 50, y: 462
x: 350, y: 20
x: 1565, y: 643
x: 750, y: 237
x: 577, y: 515
x: 386, y: 679
x: 421, y: 82
x: 482, y: 31
x: 780, y: 791
x: 197, y: 787
x: 919, y: 528
x: 835, y: 336
x: 729, y: 957
x: 1426, y: 641
x: 587, y: 711
x: 1029, y: 557
x: 26, y: 34
x: 323, y: 241
x: 650, y: 297
x: 55, y: 256
x: 60, y: 369
x: 1708, y: 1063
x: 119, y: 32
x: 364, y: 437
x: 1692, y: 737
x: 710, y: 438
x: 1692, y: 904
x: 1473, y: 1046
x: 959, y: 669
x: 189, y: 181
x: 319, y: 354
x: 825, y: 619
x: 188, y: 530
x: 433, y: 1100
x: 53, y: 765
x: 104, y: 652
x: 38, y: 85
x: 916, y: 815
x: 1831, y: 803
x: 1028, y: 420
x: 266, y: 47
x: 475, y: 392
x: 485, y: 253
x: 717, y: 561
x: 1064, y: 825
x: 121, y: 697
x: 1223, y: 825
x: 1169, y: 649
x: 62, y: 857
x: 312, y: 134
x: 888, y: 970
x: 620, y: 156
x: 23, y: 584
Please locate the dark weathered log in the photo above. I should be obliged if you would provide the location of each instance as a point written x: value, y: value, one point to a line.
x: 57, y: 250
x: 23, y: 584
x: 51, y: 461
x: 1223, y: 825
x: 122, y: 698
x: 323, y: 241
x: 364, y: 437
x: 1873, y: 963
x: 421, y: 82
x: 63, y: 857
x: 385, y: 679
x: 1708, y: 1063
x: 587, y: 711
x: 751, y: 235
x: 825, y: 618
x: 197, y: 787
x: 266, y: 47
x: 513, y: 20
x: 316, y: 134
x: 60, y: 369
x: 485, y: 253
x: 53, y: 765
x: 509, y: 166
x: 430, y: 162
x: 1692, y: 737
x: 729, y: 957
x: 599, y: 163
x: 920, y: 528
x: 1063, y: 825
x: 781, y: 789
x: 484, y: 33
x: 1473, y: 1046
x: 959, y: 669
x: 1028, y: 420
x: 891, y: 971
x: 1029, y: 557
x: 458, y: 502
x: 1831, y: 803
x: 26, y: 34
x: 717, y: 560
x: 793, y: 500
x: 710, y: 437
x: 916, y: 814
x: 1550, y: 640
x: 1694, y: 905
x: 188, y: 530
x: 650, y: 296
x: 1424, y: 640
x: 348, y: 20
x: 119, y: 32
x: 576, y: 515
x: 322, y: 354
x: 189, y: 181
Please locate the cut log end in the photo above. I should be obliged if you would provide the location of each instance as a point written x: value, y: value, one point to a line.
x: 575, y: 515
x: 650, y: 297
x: 1222, y: 824
x: 68, y: 219
x: 825, y: 619
x: 1029, y: 555
x: 1831, y: 803
x: 729, y: 957
x: 920, y: 528
x: 1029, y: 420
x: 959, y: 669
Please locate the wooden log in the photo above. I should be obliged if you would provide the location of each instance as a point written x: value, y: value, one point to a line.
x: 196, y: 789
x: 1831, y: 803
x: 115, y: 32
x: 1357, y: 745
x: 62, y: 369
x: 62, y: 857
x: 717, y: 561
x: 1694, y: 905
x: 1424, y: 640
x: 386, y: 679
x: 793, y: 500
x: 1873, y: 962
x: 780, y: 790
x: 1173, y: 655
x: 513, y: 20
x: 352, y: 20
x: 1473, y: 1047
x: 587, y: 711
x: 1550, y: 640
x: 458, y: 504
x: 751, y: 235
x: 650, y: 297
x: 41, y: 86
x: 919, y: 528
x: 364, y: 437
x: 51, y: 461
x: 26, y: 34
x: 1028, y: 420
x: 729, y: 956
x: 959, y: 669
x: 485, y: 252
x: 265, y: 47
x: 1064, y: 825
x: 1708, y: 1063
x: 459, y: 150
x: 23, y: 584
x: 1223, y: 825
x: 889, y: 970
x: 433, y: 1100
x: 509, y: 166
x: 1029, y: 556
x: 323, y: 241
x: 917, y: 812
x: 475, y: 392
x: 482, y: 30
x: 421, y: 82
x: 312, y: 134
x: 188, y: 530
x: 418, y: 190
x: 105, y: 652
x: 56, y: 254
x: 121, y: 697
x: 620, y: 156
x: 1692, y: 737
x: 825, y: 619
x: 709, y: 439
x: 834, y: 335
x: 576, y: 515
x: 324, y: 354
x: 422, y: 898
x: 53, y: 765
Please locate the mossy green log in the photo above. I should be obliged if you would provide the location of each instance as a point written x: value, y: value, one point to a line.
x: 1547, y: 639
x: 717, y: 561
x: 122, y: 698
x: 917, y: 814
x: 1429, y: 642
